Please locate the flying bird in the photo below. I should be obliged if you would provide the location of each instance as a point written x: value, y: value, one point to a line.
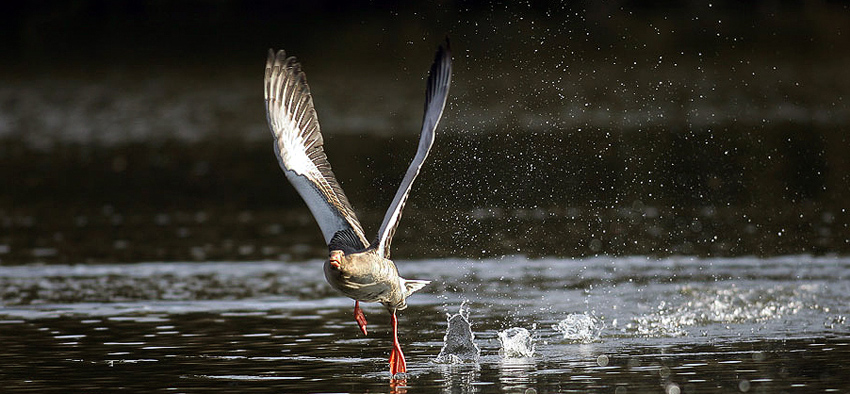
x: 360, y: 269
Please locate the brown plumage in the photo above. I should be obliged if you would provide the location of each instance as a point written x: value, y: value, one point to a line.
x: 357, y: 268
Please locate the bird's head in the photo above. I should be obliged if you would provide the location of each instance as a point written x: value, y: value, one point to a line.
x: 345, y: 265
x: 336, y: 258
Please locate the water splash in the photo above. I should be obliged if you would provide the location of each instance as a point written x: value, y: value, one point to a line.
x: 517, y: 342
x: 459, y: 341
x: 733, y: 304
x: 580, y: 327
x: 662, y: 323
x: 705, y: 306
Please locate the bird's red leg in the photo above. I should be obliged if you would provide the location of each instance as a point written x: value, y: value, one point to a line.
x: 397, y: 363
x: 360, y: 317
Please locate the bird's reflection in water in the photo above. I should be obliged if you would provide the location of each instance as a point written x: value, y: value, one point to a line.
x: 460, y: 378
x: 517, y: 372
x: 398, y: 386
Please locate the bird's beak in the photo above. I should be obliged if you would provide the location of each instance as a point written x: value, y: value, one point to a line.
x: 335, y: 258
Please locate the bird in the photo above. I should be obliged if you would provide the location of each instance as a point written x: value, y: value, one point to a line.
x: 357, y: 268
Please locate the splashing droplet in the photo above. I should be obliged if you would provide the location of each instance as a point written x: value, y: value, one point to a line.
x: 516, y: 343
x: 579, y: 327
x: 459, y: 342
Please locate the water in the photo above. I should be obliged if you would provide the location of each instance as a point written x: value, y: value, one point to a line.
x: 459, y: 342
x: 688, y: 324
x: 579, y: 328
x: 516, y: 342
x: 573, y: 132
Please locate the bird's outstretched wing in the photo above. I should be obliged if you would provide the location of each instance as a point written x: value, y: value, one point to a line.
x: 298, y: 146
x: 439, y: 79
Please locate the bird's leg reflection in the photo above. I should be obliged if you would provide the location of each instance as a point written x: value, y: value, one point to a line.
x: 398, y: 386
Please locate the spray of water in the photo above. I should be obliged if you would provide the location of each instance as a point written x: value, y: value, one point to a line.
x: 517, y: 342
x: 580, y: 327
x: 459, y: 342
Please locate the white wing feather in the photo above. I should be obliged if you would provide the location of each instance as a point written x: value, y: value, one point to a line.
x: 298, y: 146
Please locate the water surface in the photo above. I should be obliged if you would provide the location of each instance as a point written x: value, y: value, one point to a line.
x: 679, y: 323
x: 573, y: 132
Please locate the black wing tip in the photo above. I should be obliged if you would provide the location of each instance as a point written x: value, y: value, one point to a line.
x: 443, y: 57
x: 444, y: 52
x: 440, y: 72
x: 440, y: 76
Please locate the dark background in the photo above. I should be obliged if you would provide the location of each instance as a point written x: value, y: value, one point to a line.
x: 134, y: 131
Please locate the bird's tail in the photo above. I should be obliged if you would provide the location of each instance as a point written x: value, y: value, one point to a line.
x: 412, y: 285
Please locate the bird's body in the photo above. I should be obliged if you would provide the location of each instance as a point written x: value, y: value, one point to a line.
x: 368, y: 277
x: 357, y: 268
